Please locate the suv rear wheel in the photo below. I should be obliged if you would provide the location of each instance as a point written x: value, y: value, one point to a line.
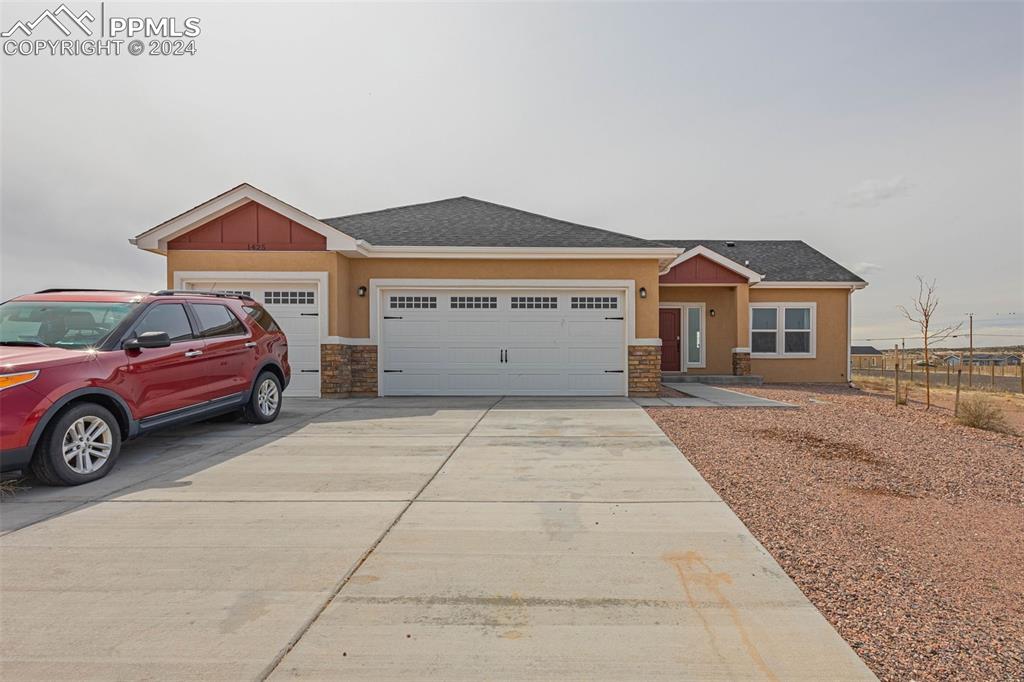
x: 265, y: 402
x: 79, y: 445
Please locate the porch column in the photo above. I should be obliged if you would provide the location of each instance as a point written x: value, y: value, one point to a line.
x: 741, y: 348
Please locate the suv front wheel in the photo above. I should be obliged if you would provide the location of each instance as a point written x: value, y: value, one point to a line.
x: 78, y: 446
x: 265, y: 402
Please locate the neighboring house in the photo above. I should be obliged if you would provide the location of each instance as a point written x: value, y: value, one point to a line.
x: 462, y: 296
x: 866, y: 357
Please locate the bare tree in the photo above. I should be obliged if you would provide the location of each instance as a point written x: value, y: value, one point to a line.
x: 925, y: 306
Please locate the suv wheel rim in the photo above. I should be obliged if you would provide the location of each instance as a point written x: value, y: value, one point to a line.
x: 87, y: 444
x: 267, y: 397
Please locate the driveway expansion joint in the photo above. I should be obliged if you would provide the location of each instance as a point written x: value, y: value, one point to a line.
x: 279, y: 658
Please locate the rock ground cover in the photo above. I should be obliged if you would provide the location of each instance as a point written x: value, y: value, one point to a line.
x: 902, y: 527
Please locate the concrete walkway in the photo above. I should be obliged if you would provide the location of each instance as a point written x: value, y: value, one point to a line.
x: 403, y: 539
x: 702, y: 395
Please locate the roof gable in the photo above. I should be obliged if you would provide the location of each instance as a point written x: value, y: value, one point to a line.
x: 701, y: 265
x: 157, y: 238
x: 248, y: 226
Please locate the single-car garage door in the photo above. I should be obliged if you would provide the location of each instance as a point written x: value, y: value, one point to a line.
x: 296, y: 309
x: 480, y: 342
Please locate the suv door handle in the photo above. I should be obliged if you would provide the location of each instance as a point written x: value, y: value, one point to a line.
x: 193, y: 353
x: 250, y: 344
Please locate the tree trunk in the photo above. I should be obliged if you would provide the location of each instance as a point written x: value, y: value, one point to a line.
x: 927, y: 374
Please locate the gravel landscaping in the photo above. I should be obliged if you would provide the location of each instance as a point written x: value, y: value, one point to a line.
x: 902, y: 527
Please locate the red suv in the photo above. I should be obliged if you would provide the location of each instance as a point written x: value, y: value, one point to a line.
x: 81, y: 371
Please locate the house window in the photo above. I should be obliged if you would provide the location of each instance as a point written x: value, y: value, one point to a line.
x: 474, y: 302
x: 288, y: 297
x: 592, y: 302
x: 534, y: 302
x: 782, y: 330
x: 414, y: 302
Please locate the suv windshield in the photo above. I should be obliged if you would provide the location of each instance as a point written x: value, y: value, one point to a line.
x: 60, y: 324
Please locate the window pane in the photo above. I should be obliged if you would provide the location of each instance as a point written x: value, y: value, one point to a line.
x: 763, y: 342
x: 217, y: 320
x: 693, y: 334
x: 262, y: 318
x: 763, y: 318
x: 798, y: 318
x: 167, y: 317
x: 798, y: 342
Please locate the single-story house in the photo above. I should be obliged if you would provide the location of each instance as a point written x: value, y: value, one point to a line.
x: 466, y: 297
x: 866, y: 357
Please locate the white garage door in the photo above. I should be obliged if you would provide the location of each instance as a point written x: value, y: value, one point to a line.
x: 296, y: 309
x: 480, y: 342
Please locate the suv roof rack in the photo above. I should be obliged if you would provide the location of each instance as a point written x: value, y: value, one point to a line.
x: 113, y: 291
x: 191, y: 292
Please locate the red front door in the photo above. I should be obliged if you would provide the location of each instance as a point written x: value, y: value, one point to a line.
x: 669, y: 330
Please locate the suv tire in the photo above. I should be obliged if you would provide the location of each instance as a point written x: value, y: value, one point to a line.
x: 265, y: 402
x: 79, y: 445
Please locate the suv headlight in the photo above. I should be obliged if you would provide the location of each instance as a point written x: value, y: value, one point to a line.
x: 16, y: 379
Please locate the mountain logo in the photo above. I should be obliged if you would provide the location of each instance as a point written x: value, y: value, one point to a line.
x: 54, y: 17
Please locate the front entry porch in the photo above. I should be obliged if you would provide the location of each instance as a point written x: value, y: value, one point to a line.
x: 704, y: 332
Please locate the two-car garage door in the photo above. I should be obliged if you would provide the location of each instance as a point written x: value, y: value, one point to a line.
x: 480, y: 342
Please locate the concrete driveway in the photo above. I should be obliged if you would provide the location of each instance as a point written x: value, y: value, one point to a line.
x: 456, y: 538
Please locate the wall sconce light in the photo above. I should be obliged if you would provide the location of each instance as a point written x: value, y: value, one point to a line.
x: 643, y: 292
x: 361, y: 291
x: 711, y: 312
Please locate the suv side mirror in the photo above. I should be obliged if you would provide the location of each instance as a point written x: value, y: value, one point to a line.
x: 148, y: 340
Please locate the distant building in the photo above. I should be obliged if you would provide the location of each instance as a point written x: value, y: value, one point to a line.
x: 984, y: 359
x: 866, y: 357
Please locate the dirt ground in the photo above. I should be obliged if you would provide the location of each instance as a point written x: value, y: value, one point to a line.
x: 904, y: 528
x: 943, y: 397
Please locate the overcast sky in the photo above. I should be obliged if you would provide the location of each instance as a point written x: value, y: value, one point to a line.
x: 889, y: 136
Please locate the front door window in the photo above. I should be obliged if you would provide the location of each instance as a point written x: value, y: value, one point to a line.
x: 694, y: 336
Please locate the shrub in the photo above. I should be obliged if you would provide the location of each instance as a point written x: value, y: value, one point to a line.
x: 980, y: 413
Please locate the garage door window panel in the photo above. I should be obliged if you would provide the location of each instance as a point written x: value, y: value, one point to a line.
x: 474, y: 302
x: 289, y: 297
x: 594, y: 303
x: 413, y: 302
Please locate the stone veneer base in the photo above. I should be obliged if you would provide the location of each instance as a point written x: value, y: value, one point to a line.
x: 644, y: 371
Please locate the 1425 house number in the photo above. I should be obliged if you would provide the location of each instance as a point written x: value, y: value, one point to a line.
x: 257, y: 247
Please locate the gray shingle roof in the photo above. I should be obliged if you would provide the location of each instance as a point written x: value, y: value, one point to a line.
x: 470, y: 222
x: 864, y: 350
x: 776, y: 260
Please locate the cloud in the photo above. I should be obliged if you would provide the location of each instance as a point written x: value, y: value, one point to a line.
x: 866, y: 268
x: 871, y: 193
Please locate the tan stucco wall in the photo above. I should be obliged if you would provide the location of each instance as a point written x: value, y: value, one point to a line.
x: 720, y: 335
x: 350, y: 314
x: 643, y: 272
x: 273, y: 261
x: 829, y: 365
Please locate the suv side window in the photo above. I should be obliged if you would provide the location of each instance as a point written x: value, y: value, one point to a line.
x: 260, y: 315
x: 218, y: 320
x: 166, y: 317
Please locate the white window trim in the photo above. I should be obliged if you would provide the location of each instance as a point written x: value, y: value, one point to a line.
x: 683, y: 321
x: 780, y: 330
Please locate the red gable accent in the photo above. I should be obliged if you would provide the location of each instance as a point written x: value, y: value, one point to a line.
x: 701, y: 270
x: 250, y: 227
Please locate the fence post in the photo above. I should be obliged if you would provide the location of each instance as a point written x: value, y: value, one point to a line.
x: 993, y: 384
x: 896, y: 355
x: 959, y: 371
x: 947, y: 372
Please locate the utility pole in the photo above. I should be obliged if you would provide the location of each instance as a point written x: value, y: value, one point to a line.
x: 970, y: 351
